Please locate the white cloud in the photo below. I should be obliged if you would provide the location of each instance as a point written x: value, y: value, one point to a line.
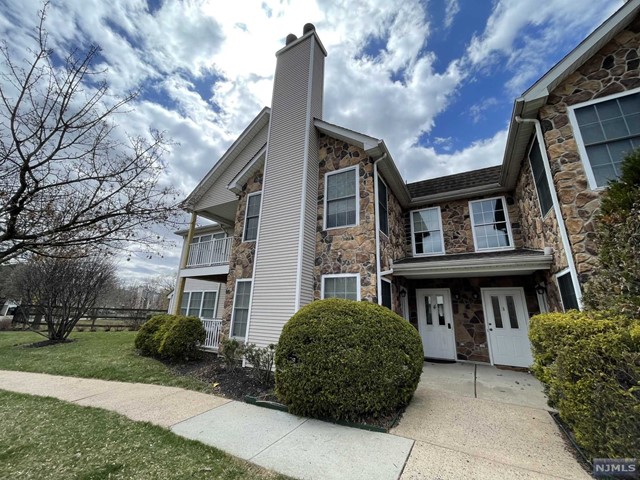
x: 452, y: 8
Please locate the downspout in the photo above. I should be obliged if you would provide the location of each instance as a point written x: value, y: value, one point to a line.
x: 377, y: 215
x: 556, y: 207
x: 183, y: 264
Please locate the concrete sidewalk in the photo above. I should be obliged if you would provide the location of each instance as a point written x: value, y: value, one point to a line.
x: 295, y: 446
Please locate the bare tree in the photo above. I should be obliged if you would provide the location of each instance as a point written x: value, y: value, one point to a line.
x: 64, y: 289
x: 68, y: 176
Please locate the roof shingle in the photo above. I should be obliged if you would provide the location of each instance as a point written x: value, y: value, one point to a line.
x: 459, y: 181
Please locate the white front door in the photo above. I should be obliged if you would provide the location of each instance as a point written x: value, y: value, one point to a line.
x: 507, y: 323
x: 435, y: 323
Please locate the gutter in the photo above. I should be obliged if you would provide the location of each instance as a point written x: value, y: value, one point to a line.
x: 475, y: 262
x: 377, y: 226
x: 457, y: 194
x: 556, y: 207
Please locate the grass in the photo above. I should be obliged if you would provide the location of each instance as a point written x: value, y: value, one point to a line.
x: 45, y: 438
x: 103, y: 355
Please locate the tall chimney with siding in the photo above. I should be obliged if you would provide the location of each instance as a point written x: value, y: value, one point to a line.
x: 285, y: 251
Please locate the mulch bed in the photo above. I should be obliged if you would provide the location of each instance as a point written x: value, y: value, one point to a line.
x: 240, y: 382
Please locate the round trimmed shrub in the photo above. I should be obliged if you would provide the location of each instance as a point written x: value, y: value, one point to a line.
x: 347, y: 360
x: 147, y: 339
x: 181, y: 337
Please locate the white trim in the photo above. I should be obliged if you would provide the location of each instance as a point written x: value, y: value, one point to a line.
x: 379, y: 178
x: 305, y: 168
x: 533, y: 176
x: 377, y: 231
x: 246, y: 212
x: 502, y: 291
x: 584, y: 157
x: 413, y: 244
x: 507, y: 220
x: 356, y: 169
x: 233, y: 308
x: 339, y: 275
x: 390, y: 289
x: 236, y: 184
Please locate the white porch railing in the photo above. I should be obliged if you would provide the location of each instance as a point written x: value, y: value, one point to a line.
x: 211, y: 252
x: 212, y: 327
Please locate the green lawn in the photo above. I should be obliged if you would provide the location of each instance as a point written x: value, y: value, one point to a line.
x: 45, y: 438
x: 104, y: 355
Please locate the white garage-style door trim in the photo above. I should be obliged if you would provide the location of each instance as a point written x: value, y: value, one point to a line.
x: 435, y: 323
x: 507, y: 326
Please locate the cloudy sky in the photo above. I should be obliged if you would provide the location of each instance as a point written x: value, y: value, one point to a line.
x: 435, y: 79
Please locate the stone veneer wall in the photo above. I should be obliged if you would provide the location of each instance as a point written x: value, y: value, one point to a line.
x: 613, y: 69
x: 456, y: 224
x: 242, y: 253
x: 349, y: 249
x: 468, y: 315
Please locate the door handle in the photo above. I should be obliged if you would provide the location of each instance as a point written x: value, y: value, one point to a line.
x: 449, y: 325
x: 491, y: 329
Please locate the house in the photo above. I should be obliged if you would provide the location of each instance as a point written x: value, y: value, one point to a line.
x: 306, y: 209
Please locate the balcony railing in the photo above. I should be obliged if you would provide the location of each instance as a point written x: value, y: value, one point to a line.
x: 210, y: 253
x: 212, y: 327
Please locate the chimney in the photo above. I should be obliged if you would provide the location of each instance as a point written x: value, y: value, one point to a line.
x: 283, y: 274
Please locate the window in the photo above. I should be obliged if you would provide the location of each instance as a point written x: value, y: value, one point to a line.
x: 199, y: 304
x: 490, y: 224
x: 607, y: 131
x: 540, y: 178
x: 252, y: 217
x: 426, y: 231
x: 241, y: 302
x: 567, y: 291
x: 383, y: 211
x: 386, y: 293
x: 341, y: 198
x: 341, y: 286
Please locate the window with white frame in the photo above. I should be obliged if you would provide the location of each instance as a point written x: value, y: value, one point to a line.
x: 252, y: 217
x: 490, y: 224
x: 341, y: 286
x: 385, y: 294
x: 607, y: 130
x: 426, y: 231
x: 540, y: 178
x: 341, y: 198
x: 199, y: 304
x: 383, y: 207
x: 241, y: 301
x: 567, y: 291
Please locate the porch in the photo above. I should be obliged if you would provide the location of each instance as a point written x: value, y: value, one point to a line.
x: 213, y: 327
x: 210, y: 253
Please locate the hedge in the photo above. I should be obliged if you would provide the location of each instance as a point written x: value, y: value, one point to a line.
x: 347, y: 360
x: 590, y: 365
x: 174, y: 337
x: 148, y: 340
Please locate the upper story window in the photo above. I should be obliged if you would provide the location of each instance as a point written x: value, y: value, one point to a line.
x: 341, y: 198
x: 490, y: 224
x: 383, y: 207
x: 341, y: 286
x: 252, y: 217
x: 540, y: 178
x: 607, y: 131
x: 426, y: 231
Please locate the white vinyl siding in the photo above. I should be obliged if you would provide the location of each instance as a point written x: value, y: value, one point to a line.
x: 199, y: 304
x: 383, y: 207
x: 606, y: 131
x: 252, y: 217
x: 426, y: 232
x: 241, y: 302
x: 341, y: 198
x: 540, y: 178
x: 345, y: 286
x: 490, y: 224
x: 385, y: 294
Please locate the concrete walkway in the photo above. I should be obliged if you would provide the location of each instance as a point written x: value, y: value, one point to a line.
x: 465, y: 421
x: 476, y: 421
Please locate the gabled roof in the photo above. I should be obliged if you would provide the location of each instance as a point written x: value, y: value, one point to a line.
x: 536, y: 96
x: 476, y: 180
x: 253, y: 166
x: 229, y: 156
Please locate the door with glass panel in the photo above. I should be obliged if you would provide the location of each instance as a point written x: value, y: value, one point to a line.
x: 507, y: 323
x: 435, y: 323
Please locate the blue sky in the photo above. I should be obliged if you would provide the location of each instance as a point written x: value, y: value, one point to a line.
x: 436, y: 79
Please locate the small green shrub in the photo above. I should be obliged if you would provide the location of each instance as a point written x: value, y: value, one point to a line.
x: 231, y: 351
x: 590, y: 365
x: 181, y: 337
x: 346, y: 360
x: 147, y: 339
x: 261, y: 359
